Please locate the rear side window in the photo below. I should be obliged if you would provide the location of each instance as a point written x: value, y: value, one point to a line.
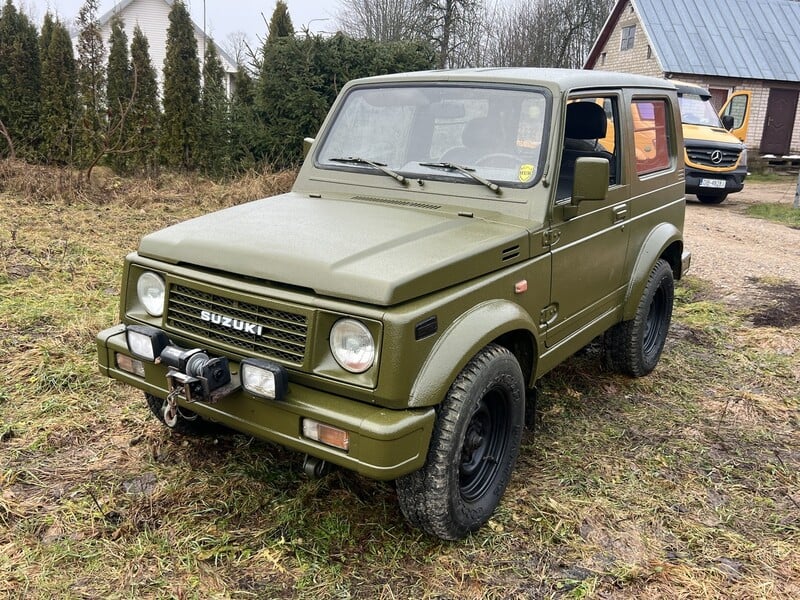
x: 651, y: 136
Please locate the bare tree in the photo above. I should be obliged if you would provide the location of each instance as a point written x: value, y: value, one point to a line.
x: 550, y: 33
x: 382, y: 20
x: 545, y: 33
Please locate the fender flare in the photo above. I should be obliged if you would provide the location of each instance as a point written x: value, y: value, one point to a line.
x: 462, y: 340
x: 659, y: 239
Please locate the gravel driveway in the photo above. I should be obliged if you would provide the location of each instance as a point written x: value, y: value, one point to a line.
x: 746, y: 260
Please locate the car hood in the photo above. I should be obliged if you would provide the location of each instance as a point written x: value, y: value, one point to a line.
x: 378, y: 252
x: 706, y: 133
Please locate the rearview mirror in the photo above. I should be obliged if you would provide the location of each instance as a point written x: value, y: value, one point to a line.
x: 591, y: 179
x: 727, y: 122
x: 590, y: 183
x: 307, y: 145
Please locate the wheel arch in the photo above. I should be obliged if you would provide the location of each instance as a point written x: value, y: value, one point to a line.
x: 665, y: 241
x: 498, y: 321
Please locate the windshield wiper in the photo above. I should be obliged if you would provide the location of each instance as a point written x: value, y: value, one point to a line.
x: 376, y: 165
x: 468, y: 171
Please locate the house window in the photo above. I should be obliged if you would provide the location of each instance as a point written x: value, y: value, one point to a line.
x: 602, y: 59
x: 628, y: 33
x: 649, y: 52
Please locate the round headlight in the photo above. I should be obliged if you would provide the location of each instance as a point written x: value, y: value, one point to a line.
x: 352, y: 345
x: 150, y: 289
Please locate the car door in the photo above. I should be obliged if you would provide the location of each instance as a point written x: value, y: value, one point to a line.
x: 738, y: 107
x: 588, y: 244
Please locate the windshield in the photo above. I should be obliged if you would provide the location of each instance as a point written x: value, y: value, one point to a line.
x: 446, y: 132
x: 696, y: 111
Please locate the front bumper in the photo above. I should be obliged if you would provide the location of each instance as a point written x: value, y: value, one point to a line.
x: 734, y: 181
x: 384, y: 444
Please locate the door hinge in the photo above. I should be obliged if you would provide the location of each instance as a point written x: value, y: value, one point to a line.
x: 548, y: 314
x: 551, y: 237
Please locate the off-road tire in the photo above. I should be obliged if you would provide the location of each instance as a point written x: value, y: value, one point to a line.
x: 197, y: 427
x: 473, y: 449
x: 706, y: 199
x: 634, y: 347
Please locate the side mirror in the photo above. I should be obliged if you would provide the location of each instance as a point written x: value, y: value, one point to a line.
x: 307, y: 145
x: 590, y: 183
x: 591, y: 179
x: 727, y: 122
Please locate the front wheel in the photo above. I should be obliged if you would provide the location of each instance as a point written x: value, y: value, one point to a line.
x: 473, y: 448
x: 634, y: 347
x: 707, y: 199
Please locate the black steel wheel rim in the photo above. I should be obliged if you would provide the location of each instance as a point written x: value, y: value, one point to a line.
x: 653, y: 330
x: 485, y: 444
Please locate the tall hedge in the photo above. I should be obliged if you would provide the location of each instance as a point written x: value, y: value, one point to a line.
x: 213, y: 153
x: 145, y: 113
x: 300, y: 78
x: 20, y: 81
x: 180, y: 122
x: 119, y: 96
x: 59, y: 92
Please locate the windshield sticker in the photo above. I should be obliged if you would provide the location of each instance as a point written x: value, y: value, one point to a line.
x: 526, y: 173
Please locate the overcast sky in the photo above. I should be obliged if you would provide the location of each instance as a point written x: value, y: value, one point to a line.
x: 223, y: 17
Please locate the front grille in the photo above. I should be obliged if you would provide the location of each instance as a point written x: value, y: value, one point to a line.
x: 265, y: 331
x: 700, y: 155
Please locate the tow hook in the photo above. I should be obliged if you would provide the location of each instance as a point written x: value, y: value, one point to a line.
x: 315, y: 467
x: 170, y: 409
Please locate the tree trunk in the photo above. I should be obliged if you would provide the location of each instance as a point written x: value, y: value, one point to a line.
x: 9, y: 141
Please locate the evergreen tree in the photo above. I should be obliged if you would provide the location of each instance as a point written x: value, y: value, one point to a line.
x: 280, y: 25
x: 245, y: 127
x: 91, y: 82
x: 179, y: 128
x: 144, y: 114
x: 301, y: 77
x: 59, y: 92
x: 46, y: 34
x: 20, y: 95
x: 119, y: 95
x: 214, y: 134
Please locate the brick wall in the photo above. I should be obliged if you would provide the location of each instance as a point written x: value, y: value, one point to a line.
x: 638, y: 59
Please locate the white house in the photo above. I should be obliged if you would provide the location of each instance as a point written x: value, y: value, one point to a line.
x: 152, y: 16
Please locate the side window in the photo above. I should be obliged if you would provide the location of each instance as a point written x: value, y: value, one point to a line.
x: 590, y: 130
x: 651, y: 135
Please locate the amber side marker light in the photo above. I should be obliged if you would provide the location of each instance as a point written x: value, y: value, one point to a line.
x: 130, y: 365
x: 326, y: 434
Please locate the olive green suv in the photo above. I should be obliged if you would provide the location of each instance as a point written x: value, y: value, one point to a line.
x: 451, y: 237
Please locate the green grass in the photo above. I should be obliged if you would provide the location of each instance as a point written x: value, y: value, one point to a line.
x: 684, y: 483
x: 778, y: 213
x: 770, y: 177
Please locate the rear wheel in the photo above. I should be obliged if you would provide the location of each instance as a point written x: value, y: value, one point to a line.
x: 706, y: 199
x: 634, y: 347
x: 473, y: 448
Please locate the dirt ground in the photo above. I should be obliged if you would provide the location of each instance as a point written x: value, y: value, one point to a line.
x: 749, y: 262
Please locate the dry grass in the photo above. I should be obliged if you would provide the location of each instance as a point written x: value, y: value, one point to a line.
x: 683, y: 484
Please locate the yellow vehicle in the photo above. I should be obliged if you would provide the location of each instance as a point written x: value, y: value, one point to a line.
x: 714, y: 150
x: 715, y: 154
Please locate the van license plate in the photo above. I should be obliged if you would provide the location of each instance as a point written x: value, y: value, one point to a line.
x: 712, y: 183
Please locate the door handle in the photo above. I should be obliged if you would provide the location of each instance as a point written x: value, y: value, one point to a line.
x: 620, y: 213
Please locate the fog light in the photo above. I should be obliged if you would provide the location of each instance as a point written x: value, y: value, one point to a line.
x: 146, y: 343
x: 264, y: 379
x: 326, y: 434
x: 130, y: 365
